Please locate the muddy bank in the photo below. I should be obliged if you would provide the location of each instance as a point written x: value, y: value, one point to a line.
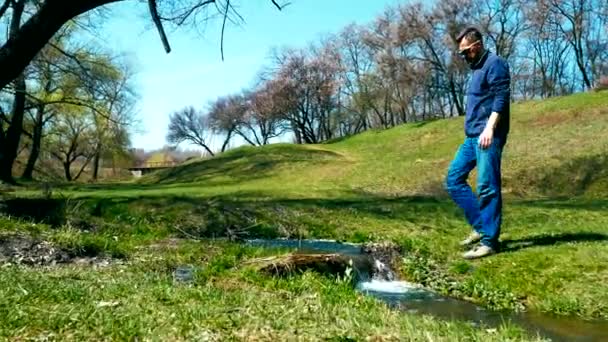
x: 26, y: 250
x: 367, y: 261
x: 51, y: 211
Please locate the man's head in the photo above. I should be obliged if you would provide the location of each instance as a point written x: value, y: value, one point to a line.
x: 470, y: 44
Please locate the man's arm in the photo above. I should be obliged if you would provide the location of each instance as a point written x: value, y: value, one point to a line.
x: 493, y: 121
x: 499, y: 81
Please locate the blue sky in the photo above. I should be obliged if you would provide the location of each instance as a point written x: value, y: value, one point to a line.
x: 194, y: 74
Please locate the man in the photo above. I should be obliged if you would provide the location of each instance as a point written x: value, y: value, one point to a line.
x: 486, y: 128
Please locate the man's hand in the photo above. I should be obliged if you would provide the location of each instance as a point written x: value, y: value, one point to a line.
x: 485, y: 139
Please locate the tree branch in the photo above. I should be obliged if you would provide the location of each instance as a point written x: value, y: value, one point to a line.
x: 223, y: 28
x: 182, y: 17
x: 84, y: 165
x: 69, y: 56
x: 280, y: 7
x: 5, y: 7
x: 76, y: 102
x: 159, y: 25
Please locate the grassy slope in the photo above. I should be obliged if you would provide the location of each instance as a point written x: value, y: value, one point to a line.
x: 376, y: 185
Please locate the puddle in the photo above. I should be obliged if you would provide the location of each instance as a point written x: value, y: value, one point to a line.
x: 412, y: 298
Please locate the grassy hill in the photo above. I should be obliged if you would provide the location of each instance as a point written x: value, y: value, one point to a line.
x: 379, y: 185
x: 556, y: 147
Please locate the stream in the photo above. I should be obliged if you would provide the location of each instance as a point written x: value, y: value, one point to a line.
x: 412, y: 298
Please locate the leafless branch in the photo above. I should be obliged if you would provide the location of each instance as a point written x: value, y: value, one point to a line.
x: 224, y: 27
x: 280, y: 7
x: 159, y: 24
x: 69, y: 55
x: 236, y: 12
x: 181, y: 18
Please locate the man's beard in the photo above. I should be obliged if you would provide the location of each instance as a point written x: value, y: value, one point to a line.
x: 473, y: 61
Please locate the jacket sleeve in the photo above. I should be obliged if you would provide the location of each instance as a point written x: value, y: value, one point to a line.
x: 499, y: 81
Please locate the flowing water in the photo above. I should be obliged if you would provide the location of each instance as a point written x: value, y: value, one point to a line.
x: 413, y: 298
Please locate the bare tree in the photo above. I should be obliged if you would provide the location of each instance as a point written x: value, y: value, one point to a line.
x: 548, y: 52
x: 428, y: 38
x: 190, y: 125
x: 376, y: 86
x: 574, y: 19
x: 263, y: 118
x: 226, y: 116
x: 503, y: 22
x: 308, y: 82
x: 357, y: 61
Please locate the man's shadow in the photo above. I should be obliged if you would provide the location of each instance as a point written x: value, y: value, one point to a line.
x: 550, y: 240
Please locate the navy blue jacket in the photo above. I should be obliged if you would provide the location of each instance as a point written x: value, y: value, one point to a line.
x: 489, y: 91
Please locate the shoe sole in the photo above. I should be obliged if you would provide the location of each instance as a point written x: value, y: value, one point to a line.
x: 478, y: 256
x: 468, y: 243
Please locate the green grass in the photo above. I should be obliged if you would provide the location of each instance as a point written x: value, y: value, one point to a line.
x: 378, y: 185
x: 139, y: 299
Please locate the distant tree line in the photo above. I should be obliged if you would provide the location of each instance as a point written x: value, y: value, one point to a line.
x: 402, y: 68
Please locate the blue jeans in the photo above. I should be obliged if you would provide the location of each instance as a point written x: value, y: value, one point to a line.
x: 484, y: 211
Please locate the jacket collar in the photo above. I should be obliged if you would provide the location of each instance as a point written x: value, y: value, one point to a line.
x: 481, y: 60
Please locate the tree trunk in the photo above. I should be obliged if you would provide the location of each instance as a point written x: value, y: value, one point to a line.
x: 96, y: 163
x: 36, y: 141
x: 8, y: 150
x: 581, y: 66
x: 459, y: 108
x: 208, y: 150
x: 227, y: 140
x: 10, y: 143
x: 66, y: 167
x: 82, y: 168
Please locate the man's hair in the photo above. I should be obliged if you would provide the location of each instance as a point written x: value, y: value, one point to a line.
x: 471, y: 33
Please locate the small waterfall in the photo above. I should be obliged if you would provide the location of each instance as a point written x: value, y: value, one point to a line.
x: 375, y: 278
x: 382, y: 272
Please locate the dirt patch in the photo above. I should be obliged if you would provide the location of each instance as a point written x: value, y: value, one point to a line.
x: 560, y: 117
x: 26, y: 250
x: 552, y: 119
x: 170, y: 243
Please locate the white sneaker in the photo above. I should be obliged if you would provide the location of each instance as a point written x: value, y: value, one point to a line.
x: 474, y: 238
x: 479, y: 252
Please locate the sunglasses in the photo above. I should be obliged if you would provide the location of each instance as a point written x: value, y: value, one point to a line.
x: 463, y: 53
